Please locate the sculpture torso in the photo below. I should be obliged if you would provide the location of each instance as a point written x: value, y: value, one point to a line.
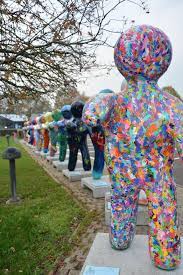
x: 142, y: 124
x: 77, y: 131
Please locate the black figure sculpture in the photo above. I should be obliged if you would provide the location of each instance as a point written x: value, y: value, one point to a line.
x: 77, y: 138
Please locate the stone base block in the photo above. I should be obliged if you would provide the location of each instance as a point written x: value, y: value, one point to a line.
x: 44, y: 155
x: 60, y: 166
x: 92, y: 153
x: 30, y: 145
x: 132, y: 261
x: 142, y: 216
x: 76, y: 175
x: 37, y: 153
x: 98, y: 187
x: 50, y: 159
x: 90, y: 148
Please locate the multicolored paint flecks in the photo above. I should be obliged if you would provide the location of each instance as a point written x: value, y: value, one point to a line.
x: 142, y: 126
x: 143, y: 52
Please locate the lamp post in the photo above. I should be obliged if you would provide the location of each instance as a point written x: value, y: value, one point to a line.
x: 11, y: 154
x: 8, y: 139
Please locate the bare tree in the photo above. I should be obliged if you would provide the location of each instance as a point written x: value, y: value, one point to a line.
x: 172, y: 91
x: 26, y: 106
x: 46, y: 44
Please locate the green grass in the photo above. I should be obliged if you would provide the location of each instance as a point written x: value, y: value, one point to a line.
x: 34, y: 233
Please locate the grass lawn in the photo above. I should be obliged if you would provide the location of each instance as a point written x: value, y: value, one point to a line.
x: 34, y: 233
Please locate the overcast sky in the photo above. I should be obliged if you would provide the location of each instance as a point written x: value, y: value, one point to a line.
x: 164, y: 14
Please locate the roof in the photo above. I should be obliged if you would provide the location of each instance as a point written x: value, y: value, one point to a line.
x: 14, y: 118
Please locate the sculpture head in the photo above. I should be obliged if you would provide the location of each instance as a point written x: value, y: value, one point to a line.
x: 143, y: 53
x: 56, y: 115
x: 106, y: 91
x: 77, y: 109
x: 66, y: 111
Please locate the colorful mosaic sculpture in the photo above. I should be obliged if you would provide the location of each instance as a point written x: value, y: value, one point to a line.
x: 142, y: 126
x: 77, y: 138
x: 62, y: 131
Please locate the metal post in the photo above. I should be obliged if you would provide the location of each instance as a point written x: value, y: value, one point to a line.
x: 8, y: 140
x: 12, y: 154
x: 13, y: 179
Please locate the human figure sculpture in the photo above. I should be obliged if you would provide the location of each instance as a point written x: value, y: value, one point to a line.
x: 62, y: 131
x: 31, y: 134
x: 98, y: 140
x: 46, y: 139
x: 53, y: 135
x: 142, y: 126
x: 45, y: 120
x: 37, y: 136
x: 77, y: 138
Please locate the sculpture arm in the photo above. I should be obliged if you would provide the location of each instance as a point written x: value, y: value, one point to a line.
x: 98, y: 109
x: 178, y: 118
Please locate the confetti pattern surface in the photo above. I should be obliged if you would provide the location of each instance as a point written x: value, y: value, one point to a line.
x: 142, y: 126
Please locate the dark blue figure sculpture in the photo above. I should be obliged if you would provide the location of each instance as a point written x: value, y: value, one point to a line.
x: 98, y: 140
x: 77, y: 138
x: 31, y: 135
x: 62, y: 131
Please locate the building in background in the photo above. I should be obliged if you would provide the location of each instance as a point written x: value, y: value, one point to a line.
x: 12, y: 121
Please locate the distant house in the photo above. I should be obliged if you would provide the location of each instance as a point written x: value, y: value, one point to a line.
x: 12, y: 121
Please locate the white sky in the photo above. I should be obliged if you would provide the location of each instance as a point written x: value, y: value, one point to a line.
x: 164, y: 14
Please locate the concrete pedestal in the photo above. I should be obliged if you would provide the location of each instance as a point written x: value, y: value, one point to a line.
x: 50, y: 159
x: 44, y: 155
x: 132, y: 261
x: 98, y: 187
x: 76, y: 175
x: 37, y: 153
x: 92, y: 153
x: 63, y: 165
x: 142, y: 216
x: 56, y: 162
x: 30, y: 145
x: 91, y: 148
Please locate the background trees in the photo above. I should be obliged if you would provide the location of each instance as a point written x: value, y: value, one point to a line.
x: 46, y: 44
x: 172, y: 91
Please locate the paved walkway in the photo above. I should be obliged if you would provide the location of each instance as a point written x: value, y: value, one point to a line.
x: 73, y: 264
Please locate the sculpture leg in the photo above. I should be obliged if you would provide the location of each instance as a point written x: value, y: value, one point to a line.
x: 85, y: 157
x: 164, y: 237
x: 98, y: 166
x: 63, y: 148
x: 124, y: 198
x: 53, y: 150
x: 46, y: 141
x: 73, y: 153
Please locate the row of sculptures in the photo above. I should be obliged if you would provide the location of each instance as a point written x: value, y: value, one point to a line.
x: 66, y: 127
x: 142, y: 126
